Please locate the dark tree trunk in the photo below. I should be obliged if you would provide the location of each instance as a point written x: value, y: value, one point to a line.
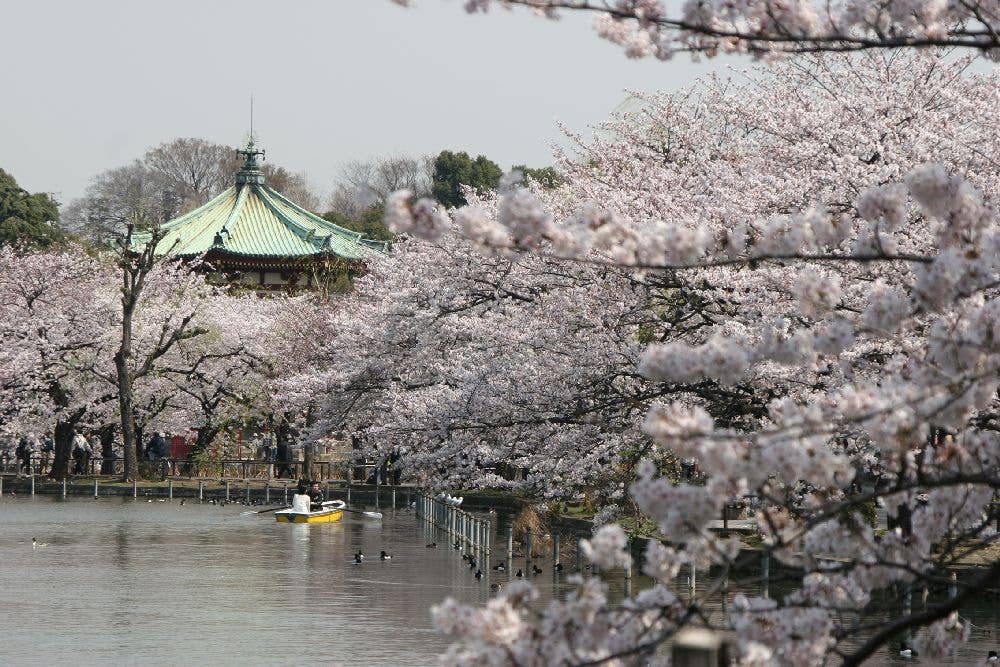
x: 206, y: 434
x: 307, y: 460
x: 125, y: 400
x: 284, y: 435
x: 62, y: 442
x: 140, y: 438
x: 308, y: 451
x: 107, y: 435
x: 62, y: 437
x: 135, y: 267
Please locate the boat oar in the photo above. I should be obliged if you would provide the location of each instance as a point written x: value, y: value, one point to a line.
x: 273, y: 509
x: 340, y: 506
x: 370, y: 515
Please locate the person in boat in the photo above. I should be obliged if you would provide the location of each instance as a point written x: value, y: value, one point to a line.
x: 316, y: 496
x: 301, y: 500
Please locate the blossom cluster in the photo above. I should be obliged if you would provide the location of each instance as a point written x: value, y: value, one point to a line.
x: 819, y: 322
x: 644, y: 28
x: 62, y: 326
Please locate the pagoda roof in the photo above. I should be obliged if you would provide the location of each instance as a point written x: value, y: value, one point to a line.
x: 251, y: 219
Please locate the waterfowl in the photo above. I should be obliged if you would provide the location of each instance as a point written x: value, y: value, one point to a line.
x: 384, y: 556
x: 495, y: 587
x: 500, y: 567
x: 432, y: 545
x: 536, y: 570
x: 906, y: 652
x: 519, y: 574
x: 472, y: 565
x: 458, y: 545
x: 993, y: 657
x: 182, y: 500
x: 36, y: 544
x: 479, y: 574
x: 559, y: 567
x: 358, y: 559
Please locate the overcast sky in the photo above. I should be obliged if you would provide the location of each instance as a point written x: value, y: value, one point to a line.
x: 87, y: 86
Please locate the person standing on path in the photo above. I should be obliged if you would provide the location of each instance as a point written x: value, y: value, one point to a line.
x: 23, y: 452
x: 81, y: 448
x: 48, y: 447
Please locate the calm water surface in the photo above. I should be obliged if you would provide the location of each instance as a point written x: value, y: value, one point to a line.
x: 131, y: 582
x: 151, y: 583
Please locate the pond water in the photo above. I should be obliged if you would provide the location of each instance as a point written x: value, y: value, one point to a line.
x: 137, y: 582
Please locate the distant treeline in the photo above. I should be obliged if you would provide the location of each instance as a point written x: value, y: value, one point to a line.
x: 180, y: 175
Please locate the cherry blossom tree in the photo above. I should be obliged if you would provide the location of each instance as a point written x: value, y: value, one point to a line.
x: 86, y: 342
x: 189, y: 354
x: 54, y: 312
x: 829, y: 233
x: 225, y: 378
x: 302, y: 354
x: 462, y: 373
x: 770, y: 27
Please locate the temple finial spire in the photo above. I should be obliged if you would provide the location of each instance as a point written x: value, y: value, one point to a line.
x: 250, y: 172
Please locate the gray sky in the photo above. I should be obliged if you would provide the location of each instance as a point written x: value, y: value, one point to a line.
x: 87, y: 86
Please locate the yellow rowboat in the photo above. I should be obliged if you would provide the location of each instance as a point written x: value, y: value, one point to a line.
x: 329, y: 514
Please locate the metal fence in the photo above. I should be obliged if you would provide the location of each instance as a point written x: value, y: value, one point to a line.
x: 468, y: 530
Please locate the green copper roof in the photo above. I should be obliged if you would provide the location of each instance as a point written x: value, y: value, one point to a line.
x: 252, y: 220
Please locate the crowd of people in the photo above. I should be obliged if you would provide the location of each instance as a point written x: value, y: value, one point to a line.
x: 33, y: 454
x: 24, y: 452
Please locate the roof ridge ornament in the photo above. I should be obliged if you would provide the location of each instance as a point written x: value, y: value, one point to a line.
x: 251, y: 171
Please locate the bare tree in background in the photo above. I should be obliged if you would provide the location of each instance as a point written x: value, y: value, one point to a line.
x: 365, y: 184
x: 344, y: 201
x: 171, y: 179
x: 294, y: 185
x: 193, y: 169
x: 116, y: 197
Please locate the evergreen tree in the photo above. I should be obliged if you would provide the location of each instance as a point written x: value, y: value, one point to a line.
x: 26, y: 218
x: 453, y: 170
x: 545, y: 176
